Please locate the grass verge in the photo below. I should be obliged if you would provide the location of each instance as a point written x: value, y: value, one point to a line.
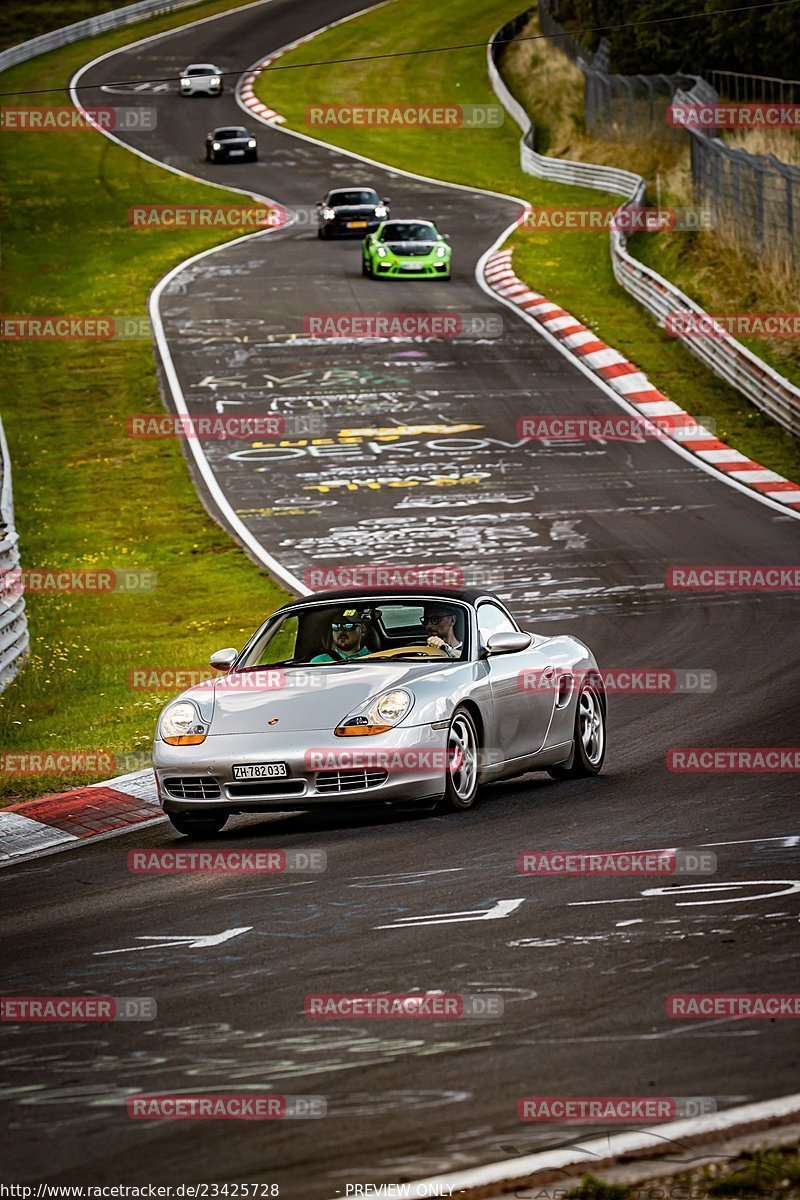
x: 86, y: 494
x: 754, y: 1175
x: 572, y: 268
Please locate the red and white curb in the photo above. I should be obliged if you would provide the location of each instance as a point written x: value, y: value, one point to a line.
x: 633, y: 385
x: 245, y: 93
x: 80, y: 815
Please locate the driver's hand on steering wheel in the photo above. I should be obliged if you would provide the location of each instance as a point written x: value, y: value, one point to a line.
x: 440, y: 644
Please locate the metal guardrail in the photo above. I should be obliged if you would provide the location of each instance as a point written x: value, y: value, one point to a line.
x: 724, y: 355
x: 14, y: 639
x: 114, y: 19
x: 762, y: 89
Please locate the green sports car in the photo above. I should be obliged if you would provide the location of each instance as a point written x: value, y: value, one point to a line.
x: 403, y: 249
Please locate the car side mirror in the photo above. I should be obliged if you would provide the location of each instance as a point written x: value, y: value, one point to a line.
x: 508, y: 642
x: 445, y: 237
x: 385, y: 200
x: 223, y: 660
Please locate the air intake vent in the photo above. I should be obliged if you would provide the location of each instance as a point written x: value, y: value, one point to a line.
x: 349, y: 781
x: 193, y: 787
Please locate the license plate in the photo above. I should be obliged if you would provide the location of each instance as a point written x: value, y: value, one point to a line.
x: 413, y: 267
x: 356, y: 224
x: 234, y: 153
x: 260, y: 770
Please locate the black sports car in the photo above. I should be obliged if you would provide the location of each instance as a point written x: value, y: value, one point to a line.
x: 230, y: 142
x: 351, y: 212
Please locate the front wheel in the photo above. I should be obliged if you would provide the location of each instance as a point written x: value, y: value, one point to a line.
x: 461, y: 787
x: 589, y: 739
x: 201, y: 825
x: 366, y: 268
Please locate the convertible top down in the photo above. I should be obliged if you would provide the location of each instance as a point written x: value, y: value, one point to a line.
x: 378, y: 696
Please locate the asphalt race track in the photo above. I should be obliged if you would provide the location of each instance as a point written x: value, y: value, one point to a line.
x: 577, y: 536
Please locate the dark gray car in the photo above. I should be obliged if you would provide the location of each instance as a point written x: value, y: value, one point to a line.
x: 229, y: 143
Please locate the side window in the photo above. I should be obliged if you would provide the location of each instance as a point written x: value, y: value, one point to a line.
x: 492, y: 619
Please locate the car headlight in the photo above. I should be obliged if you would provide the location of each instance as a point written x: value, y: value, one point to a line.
x: 182, y: 725
x: 214, y: 80
x: 216, y: 146
x: 381, y: 252
x: 441, y: 251
x: 185, y: 82
x: 381, y: 715
x: 252, y: 143
x: 328, y: 214
x: 381, y: 210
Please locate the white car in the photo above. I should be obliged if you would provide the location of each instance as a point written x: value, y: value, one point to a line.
x: 201, y: 78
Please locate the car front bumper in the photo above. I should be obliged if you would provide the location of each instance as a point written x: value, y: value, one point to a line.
x: 406, y: 764
x: 410, y: 268
x: 342, y: 228
x: 244, y: 155
x: 200, y: 89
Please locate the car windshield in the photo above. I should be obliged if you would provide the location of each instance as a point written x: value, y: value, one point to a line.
x: 363, y: 631
x: 201, y: 71
x: 225, y: 135
x: 408, y: 231
x: 365, y: 196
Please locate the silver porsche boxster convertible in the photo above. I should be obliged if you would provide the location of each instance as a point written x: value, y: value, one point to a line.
x: 382, y: 697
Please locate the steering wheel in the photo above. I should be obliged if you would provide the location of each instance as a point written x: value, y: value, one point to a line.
x: 425, y: 651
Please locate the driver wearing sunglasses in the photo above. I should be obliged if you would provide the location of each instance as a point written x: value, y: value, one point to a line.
x: 440, y: 627
x: 347, y: 633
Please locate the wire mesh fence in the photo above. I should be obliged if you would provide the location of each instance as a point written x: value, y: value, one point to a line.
x: 755, y: 197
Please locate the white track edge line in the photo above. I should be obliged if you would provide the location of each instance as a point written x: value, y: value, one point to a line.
x: 609, y: 1146
x: 235, y: 524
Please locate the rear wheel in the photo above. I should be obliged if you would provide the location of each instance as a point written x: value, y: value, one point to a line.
x: 589, y: 739
x: 200, y: 825
x: 461, y: 787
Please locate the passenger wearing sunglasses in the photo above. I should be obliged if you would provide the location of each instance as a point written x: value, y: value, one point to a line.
x: 440, y: 626
x: 347, y: 634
